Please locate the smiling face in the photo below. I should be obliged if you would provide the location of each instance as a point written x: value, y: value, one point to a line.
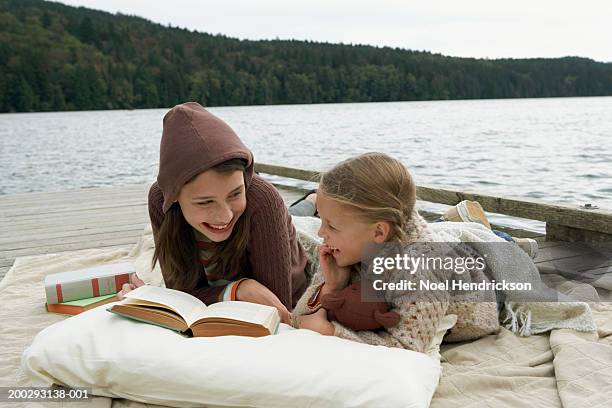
x: 213, y: 202
x: 346, y: 231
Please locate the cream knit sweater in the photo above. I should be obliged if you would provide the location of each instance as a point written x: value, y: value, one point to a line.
x: 418, y: 320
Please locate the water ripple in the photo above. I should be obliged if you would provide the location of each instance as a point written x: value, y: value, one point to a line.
x: 556, y: 149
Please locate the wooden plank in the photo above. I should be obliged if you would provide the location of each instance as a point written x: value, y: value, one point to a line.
x: 84, y: 214
x: 429, y: 216
x: 74, y: 222
x: 11, y: 246
x: 35, y: 231
x: 72, y: 193
x: 595, y: 220
x: 52, y: 248
x: 562, y: 252
x: 518, y: 233
x: 548, y: 244
x: 68, y: 221
x: 20, y: 211
x: 3, y: 271
x: 571, y: 234
x: 571, y: 272
x: 599, y: 272
x: 574, y: 265
x: 289, y: 193
x: 63, y: 212
x: 108, y: 210
x: 289, y: 172
x: 83, y: 207
x: 601, y: 258
x: 75, y: 194
x: 6, y: 262
x: 586, y: 266
x: 31, y: 241
x: 51, y: 222
x: 71, y: 198
x: 44, y: 205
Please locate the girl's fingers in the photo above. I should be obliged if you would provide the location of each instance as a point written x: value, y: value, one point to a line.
x: 134, y: 279
x: 286, y: 318
x: 125, y: 289
x: 284, y: 314
x: 324, y: 250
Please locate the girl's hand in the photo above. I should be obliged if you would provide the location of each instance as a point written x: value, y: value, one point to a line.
x: 317, y: 322
x: 135, y: 282
x: 336, y: 277
x: 249, y: 290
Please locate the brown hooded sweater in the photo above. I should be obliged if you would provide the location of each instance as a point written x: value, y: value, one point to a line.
x: 193, y: 141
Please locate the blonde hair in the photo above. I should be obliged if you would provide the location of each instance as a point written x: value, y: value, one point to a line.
x: 377, y: 186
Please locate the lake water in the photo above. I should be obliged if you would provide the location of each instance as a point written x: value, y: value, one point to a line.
x: 558, y: 149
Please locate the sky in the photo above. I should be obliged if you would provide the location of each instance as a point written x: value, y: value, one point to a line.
x: 468, y: 28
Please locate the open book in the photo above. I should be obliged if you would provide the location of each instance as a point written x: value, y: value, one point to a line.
x: 185, y: 313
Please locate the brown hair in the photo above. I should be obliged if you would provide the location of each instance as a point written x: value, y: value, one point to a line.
x: 178, y: 253
x: 377, y: 186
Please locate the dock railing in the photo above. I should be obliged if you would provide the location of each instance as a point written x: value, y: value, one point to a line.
x: 563, y: 223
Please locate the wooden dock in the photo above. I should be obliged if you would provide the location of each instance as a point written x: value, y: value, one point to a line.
x: 51, y: 222
x: 44, y: 223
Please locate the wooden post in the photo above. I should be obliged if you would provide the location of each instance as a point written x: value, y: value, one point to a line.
x: 563, y: 223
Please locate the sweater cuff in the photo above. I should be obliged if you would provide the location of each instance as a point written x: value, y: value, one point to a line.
x: 338, y: 329
x: 226, y: 293
x: 229, y: 293
x: 314, y: 303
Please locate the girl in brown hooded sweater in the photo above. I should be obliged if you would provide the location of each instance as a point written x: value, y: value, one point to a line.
x: 221, y: 232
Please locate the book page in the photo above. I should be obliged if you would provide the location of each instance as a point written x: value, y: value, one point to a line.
x: 89, y: 301
x: 187, y: 306
x: 243, y: 311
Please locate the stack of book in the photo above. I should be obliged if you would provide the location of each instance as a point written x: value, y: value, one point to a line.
x: 76, y: 291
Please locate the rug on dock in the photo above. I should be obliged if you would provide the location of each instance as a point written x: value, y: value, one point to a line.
x: 563, y: 368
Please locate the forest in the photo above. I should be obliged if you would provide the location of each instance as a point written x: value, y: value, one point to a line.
x: 55, y: 57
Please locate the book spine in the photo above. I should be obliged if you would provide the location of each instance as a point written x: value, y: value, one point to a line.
x: 64, y: 309
x: 86, y: 288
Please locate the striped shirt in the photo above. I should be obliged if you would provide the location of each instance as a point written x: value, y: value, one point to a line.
x: 207, y: 249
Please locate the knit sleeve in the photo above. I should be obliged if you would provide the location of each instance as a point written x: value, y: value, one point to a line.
x: 420, y: 313
x: 302, y: 307
x: 415, y: 330
x: 276, y: 258
x: 419, y: 320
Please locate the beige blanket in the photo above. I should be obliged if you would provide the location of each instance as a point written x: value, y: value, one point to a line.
x: 561, y: 369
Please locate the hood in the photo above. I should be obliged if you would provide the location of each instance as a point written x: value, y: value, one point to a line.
x: 194, y: 140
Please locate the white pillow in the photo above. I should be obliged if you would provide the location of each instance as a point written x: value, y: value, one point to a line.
x: 118, y: 357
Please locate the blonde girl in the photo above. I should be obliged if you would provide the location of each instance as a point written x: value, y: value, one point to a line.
x: 369, y: 199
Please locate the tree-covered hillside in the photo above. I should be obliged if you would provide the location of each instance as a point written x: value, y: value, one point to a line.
x: 56, y: 57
